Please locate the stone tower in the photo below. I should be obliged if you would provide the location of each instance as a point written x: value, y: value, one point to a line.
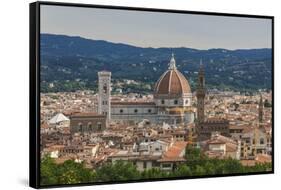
x: 261, y: 110
x: 104, y: 104
x: 200, y: 94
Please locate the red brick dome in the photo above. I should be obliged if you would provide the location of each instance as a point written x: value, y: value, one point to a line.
x: 172, y: 83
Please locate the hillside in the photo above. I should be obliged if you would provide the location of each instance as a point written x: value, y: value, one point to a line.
x: 71, y: 63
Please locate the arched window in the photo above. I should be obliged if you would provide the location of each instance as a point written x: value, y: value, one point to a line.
x: 104, y: 89
x: 254, y: 142
x: 175, y: 102
x: 90, y: 126
x: 80, y: 127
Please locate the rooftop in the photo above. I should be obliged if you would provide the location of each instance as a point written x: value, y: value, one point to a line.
x: 174, y: 153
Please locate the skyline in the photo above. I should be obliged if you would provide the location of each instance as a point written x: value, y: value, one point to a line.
x: 153, y: 47
x: 173, y: 29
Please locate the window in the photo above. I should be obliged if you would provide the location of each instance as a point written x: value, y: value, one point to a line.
x: 162, y: 101
x: 121, y: 111
x: 186, y: 101
x: 175, y: 102
x: 99, y: 126
x: 80, y: 127
x: 155, y: 164
x: 90, y: 126
x: 166, y: 165
x: 149, y: 110
x: 136, y: 111
x: 144, y: 165
x: 261, y: 141
x: 104, y: 88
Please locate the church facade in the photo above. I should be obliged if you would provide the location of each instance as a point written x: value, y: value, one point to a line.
x: 171, y: 100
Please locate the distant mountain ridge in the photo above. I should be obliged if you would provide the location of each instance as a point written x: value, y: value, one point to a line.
x: 71, y: 63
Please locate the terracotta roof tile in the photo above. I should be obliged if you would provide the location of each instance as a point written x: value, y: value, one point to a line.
x: 174, y: 152
x: 263, y: 158
x: 172, y: 82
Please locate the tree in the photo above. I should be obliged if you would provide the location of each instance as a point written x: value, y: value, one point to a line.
x: 199, y: 170
x: 72, y: 172
x: 210, y: 168
x: 48, y: 171
x: 192, y: 153
x: 118, y: 171
x: 68, y: 172
x: 182, y: 171
x: 231, y: 166
x: 197, y: 164
x: 153, y: 173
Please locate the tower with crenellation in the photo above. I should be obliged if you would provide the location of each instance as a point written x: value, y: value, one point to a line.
x: 200, y: 94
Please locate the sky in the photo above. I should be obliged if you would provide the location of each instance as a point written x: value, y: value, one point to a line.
x: 155, y: 29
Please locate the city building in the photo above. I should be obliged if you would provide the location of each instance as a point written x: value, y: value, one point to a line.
x: 165, y: 159
x: 219, y: 146
x: 87, y: 122
x: 59, y: 120
x: 207, y: 126
x: 171, y: 103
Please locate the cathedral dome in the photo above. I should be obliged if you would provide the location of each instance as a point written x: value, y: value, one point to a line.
x: 172, y: 83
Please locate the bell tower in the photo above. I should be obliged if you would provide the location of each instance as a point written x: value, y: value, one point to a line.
x: 200, y: 94
x: 261, y: 110
x: 104, y: 104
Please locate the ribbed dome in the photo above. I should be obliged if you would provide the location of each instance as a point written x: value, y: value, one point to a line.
x: 172, y: 83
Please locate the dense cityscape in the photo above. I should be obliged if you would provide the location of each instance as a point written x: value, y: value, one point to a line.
x: 172, y: 132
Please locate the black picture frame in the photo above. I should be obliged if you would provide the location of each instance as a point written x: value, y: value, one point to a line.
x: 34, y: 89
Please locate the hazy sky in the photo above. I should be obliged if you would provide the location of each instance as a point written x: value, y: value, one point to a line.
x: 152, y: 29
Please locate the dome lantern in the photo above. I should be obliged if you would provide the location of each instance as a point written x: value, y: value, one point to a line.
x: 172, y: 64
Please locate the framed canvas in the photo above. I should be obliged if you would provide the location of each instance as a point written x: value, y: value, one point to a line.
x: 122, y: 94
